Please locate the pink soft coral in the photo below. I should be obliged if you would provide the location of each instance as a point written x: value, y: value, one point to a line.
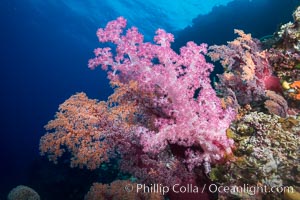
x: 163, y: 115
x: 183, y: 118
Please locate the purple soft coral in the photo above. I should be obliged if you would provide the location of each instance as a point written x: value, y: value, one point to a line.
x: 247, y: 70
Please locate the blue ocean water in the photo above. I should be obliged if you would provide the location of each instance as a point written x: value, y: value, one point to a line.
x: 45, y: 46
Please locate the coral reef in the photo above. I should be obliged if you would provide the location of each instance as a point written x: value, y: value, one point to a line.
x: 166, y: 124
x: 266, y: 140
x: 284, y: 56
x: 267, y: 153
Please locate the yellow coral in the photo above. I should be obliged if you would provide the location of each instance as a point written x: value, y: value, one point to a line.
x: 285, y: 85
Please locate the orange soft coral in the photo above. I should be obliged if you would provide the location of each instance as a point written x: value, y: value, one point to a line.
x: 120, y: 189
x: 89, y: 129
x: 296, y: 85
x: 75, y: 128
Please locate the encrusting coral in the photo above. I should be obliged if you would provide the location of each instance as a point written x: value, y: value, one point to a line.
x: 267, y: 153
x: 276, y: 104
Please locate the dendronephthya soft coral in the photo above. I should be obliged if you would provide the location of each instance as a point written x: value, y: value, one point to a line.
x: 163, y: 118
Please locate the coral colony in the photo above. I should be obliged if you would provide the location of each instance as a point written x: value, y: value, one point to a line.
x: 167, y: 127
